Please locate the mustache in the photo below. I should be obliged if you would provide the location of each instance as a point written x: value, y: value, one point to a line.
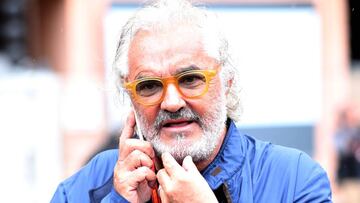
x: 183, y: 113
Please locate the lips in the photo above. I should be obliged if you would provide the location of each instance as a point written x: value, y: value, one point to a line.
x: 176, y: 123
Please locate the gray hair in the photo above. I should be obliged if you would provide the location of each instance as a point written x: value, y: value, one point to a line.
x: 161, y: 13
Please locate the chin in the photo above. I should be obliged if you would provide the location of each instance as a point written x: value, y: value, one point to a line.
x: 180, y: 137
x: 199, y: 149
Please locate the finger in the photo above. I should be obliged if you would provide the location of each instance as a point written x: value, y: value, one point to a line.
x: 128, y: 129
x: 163, y: 196
x: 188, y: 164
x: 139, y: 175
x: 130, y: 145
x: 170, y: 164
x: 164, y: 179
x: 137, y: 159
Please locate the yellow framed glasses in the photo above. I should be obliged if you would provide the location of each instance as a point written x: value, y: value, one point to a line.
x: 190, y: 84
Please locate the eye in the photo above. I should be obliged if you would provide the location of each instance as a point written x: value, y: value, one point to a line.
x: 192, y: 80
x: 148, y: 88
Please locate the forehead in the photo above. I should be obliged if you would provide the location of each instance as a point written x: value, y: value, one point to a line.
x: 162, y: 51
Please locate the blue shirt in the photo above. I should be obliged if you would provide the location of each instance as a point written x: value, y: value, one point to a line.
x: 245, y: 169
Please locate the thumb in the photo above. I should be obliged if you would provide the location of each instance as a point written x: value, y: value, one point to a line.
x: 188, y: 164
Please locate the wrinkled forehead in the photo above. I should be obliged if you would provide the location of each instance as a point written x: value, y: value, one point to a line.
x: 172, y: 35
x: 164, y: 49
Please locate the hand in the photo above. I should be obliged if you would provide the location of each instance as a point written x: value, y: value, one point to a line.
x: 182, y: 183
x: 132, y: 174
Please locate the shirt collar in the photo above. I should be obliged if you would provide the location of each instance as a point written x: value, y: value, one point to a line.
x: 228, y: 161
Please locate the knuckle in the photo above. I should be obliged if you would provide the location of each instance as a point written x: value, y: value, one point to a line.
x: 181, y: 180
x: 169, y: 166
x: 116, y: 174
x: 147, y: 144
x: 160, y: 172
x: 170, y: 191
x: 136, y: 153
x: 143, y: 171
x: 120, y: 177
x: 128, y: 142
x: 118, y: 167
x: 134, y: 157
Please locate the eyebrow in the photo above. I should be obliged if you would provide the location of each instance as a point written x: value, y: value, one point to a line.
x: 143, y: 75
x: 184, y: 69
x: 178, y: 71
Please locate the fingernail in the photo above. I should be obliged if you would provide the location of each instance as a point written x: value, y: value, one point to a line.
x: 188, y: 159
x: 165, y: 155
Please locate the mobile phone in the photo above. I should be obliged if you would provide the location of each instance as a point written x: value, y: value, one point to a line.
x: 137, y: 128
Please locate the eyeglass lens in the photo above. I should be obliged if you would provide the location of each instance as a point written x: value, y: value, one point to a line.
x: 190, y: 85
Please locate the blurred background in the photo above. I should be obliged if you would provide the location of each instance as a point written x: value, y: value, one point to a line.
x: 299, y: 62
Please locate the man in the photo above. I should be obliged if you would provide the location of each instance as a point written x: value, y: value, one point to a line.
x: 174, y: 65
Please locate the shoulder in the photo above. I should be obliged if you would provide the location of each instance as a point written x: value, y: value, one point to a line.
x: 262, y: 154
x: 93, y: 175
x: 280, y: 159
x: 290, y: 169
x: 96, y: 172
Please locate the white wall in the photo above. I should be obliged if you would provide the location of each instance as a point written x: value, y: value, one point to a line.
x: 277, y: 51
x: 30, y: 144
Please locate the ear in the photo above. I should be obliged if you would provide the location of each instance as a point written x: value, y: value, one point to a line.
x: 124, y: 79
x: 228, y: 85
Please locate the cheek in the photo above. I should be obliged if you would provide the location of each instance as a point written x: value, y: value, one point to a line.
x: 198, y: 105
x: 203, y: 104
x: 149, y: 113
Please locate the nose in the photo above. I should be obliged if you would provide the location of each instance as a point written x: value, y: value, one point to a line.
x: 173, y: 100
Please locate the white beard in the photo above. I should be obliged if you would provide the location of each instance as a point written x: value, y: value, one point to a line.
x: 212, y: 124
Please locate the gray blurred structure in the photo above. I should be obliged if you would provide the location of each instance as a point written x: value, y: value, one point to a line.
x: 13, y: 30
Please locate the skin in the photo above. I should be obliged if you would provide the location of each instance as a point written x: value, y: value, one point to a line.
x: 163, y: 53
x: 132, y: 174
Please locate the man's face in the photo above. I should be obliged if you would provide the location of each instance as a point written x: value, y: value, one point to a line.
x: 178, y: 125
